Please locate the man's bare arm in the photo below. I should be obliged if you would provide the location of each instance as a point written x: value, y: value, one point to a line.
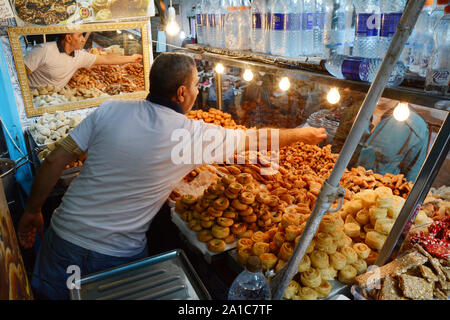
x: 114, y: 59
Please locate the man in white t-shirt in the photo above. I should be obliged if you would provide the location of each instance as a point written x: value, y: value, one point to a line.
x: 54, y: 63
x: 128, y: 175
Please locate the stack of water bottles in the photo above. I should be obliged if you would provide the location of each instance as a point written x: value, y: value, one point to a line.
x: 351, y: 35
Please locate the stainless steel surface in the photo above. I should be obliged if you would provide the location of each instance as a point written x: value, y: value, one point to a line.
x: 168, y: 276
x: 404, y: 28
x: 424, y: 180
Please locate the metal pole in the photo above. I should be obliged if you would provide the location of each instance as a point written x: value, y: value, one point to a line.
x: 330, y: 188
x: 425, y: 179
x: 219, y: 90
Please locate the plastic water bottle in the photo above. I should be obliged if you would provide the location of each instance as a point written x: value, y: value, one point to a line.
x: 199, y: 22
x: 250, y: 284
x: 368, y: 18
x: 278, y: 35
x: 245, y: 20
x: 350, y: 23
x: 391, y: 12
x: 206, y: 11
x: 220, y: 23
x: 437, y: 13
x: 362, y: 69
x: 438, y: 72
x: 232, y: 25
x: 308, y: 27
x: 212, y: 32
x: 295, y: 40
x: 260, y: 31
x: 420, y: 38
x: 334, y: 29
x: 319, y: 22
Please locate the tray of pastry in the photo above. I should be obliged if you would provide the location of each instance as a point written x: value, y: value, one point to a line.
x: 167, y: 276
x: 192, y: 236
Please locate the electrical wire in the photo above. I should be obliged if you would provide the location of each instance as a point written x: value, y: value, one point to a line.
x: 9, y: 135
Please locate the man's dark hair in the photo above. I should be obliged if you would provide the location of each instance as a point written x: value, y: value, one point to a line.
x: 169, y: 71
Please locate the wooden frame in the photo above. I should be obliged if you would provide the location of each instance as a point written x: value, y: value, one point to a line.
x: 31, y: 110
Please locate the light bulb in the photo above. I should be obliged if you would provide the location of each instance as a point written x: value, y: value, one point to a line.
x: 285, y: 84
x: 220, y: 68
x: 182, y: 35
x: 248, y: 75
x: 130, y: 36
x: 333, y: 96
x: 119, y: 31
x: 401, y: 112
x: 172, y: 26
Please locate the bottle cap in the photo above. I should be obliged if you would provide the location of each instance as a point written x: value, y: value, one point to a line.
x: 447, y: 10
x: 441, y: 2
x: 254, y: 264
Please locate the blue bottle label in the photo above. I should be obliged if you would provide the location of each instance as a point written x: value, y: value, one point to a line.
x: 199, y: 19
x: 278, y: 21
x: 256, y: 20
x: 308, y: 21
x: 319, y: 20
x: 294, y: 22
x: 350, y: 69
x: 440, y: 77
x: 389, y: 23
x: 367, y: 24
x: 212, y: 20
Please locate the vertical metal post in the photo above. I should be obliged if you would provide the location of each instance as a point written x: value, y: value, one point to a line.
x: 330, y: 188
x: 424, y: 180
x: 219, y: 90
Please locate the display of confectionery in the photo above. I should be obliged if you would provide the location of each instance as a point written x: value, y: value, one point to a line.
x: 53, y: 127
x: 214, y: 116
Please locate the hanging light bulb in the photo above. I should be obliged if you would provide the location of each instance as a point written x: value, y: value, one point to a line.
x: 401, y: 112
x: 182, y: 35
x: 248, y: 75
x: 220, y: 68
x: 285, y: 84
x: 333, y: 96
x: 130, y: 36
x: 119, y: 31
x: 172, y: 26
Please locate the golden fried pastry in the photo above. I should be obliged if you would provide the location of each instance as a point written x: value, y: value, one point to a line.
x: 306, y: 294
x: 372, y: 258
x: 250, y: 219
x: 385, y: 202
x: 377, y: 213
x: 311, y: 246
x: 238, y: 205
x: 350, y: 219
x: 235, y: 187
x: 292, y: 289
x: 328, y: 224
x: 208, y: 195
x: 274, y: 201
x: 360, y: 265
x: 328, y: 273
x: 323, y: 241
x: 224, y: 222
x: 292, y: 231
x: 217, y: 189
x: 304, y: 264
x: 362, y: 250
x: 195, y: 225
x: 269, y: 260
x: 260, y: 247
x: 215, y: 213
x: 243, y: 254
x: 98, y: 5
x: 276, y: 217
x: 221, y: 203
x: 260, y: 236
x: 350, y: 254
x: 319, y: 259
x: 206, y: 224
x: 368, y: 228
x: 394, y: 211
x: 338, y: 261
x: 246, y: 212
x: 244, y: 178
x: 362, y: 217
x: 352, y: 207
x: 352, y: 230
x: 347, y: 241
x: 188, y: 199
x: 347, y: 275
x: 103, y: 14
x: 324, y: 289
x: 289, y: 219
x: 238, y: 228
x: 220, y: 232
x: 271, y: 232
x: 216, y: 245
x: 244, y: 242
x: 247, y: 197
x: 228, y: 179
x: 286, y: 251
x: 180, y: 207
x: 230, y: 238
x: 368, y: 197
x: 246, y: 234
x: 229, y: 214
x: 420, y: 220
x: 375, y: 240
x: 279, y: 265
x: 338, y: 234
x: 384, y: 226
x: 263, y: 197
x: 311, y: 278
x: 279, y: 238
x: 231, y: 195
x: 204, y: 235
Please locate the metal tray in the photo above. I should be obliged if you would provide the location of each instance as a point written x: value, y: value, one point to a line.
x: 168, y: 276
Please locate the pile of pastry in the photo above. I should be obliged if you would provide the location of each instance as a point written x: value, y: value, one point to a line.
x: 437, y: 203
x: 215, y: 116
x: 416, y: 275
x: 52, y: 127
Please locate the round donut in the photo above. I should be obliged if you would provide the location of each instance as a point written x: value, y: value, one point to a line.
x: 229, y: 239
x: 216, y: 189
x: 229, y: 215
x: 260, y: 247
x: 188, y: 199
x: 206, y: 224
x: 220, y: 232
x: 238, y: 205
x: 235, y: 187
x: 238, y: 228
x: 231, y: 195
x: 246, y: 212
x: 208, y: 195
x: 246, y: 234
x: 269, y: 260
x: 250, y: 219
x: 228, y: 179
x: 244, y: 242
x: 247, y: 197
x: 215, y: 213
x: 224, y: 222
x: 274, y: 201
x: 244, y: 178
x: 204, y: 236
x: 263, y: 197
x: 221, y: 203
x: 216, y: 245
x: 265, y: 215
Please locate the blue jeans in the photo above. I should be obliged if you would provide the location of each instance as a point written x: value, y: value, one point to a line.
x: 56, y: 255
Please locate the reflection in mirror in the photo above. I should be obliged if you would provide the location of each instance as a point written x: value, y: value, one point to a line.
x: 73, y: 67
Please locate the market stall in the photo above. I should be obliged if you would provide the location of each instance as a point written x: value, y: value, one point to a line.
x: 227, y: 212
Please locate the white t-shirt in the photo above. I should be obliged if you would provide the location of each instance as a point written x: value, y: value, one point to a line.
x: 49, y: 66
x: 128, y: 174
